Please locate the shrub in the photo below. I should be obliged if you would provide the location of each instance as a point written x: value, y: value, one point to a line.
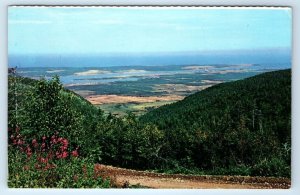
x: 274, y: 166
x: 49, y: 162
x: 232, y: 170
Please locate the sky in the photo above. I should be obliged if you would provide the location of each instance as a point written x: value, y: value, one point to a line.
x: 109, y: 31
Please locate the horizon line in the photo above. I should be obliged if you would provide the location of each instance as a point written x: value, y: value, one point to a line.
x: 208, y: 52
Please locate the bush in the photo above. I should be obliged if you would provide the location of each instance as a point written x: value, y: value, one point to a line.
x: 272, y: 167
x: 45, y: 107
x: 232, y: 170
x: 48, y: 162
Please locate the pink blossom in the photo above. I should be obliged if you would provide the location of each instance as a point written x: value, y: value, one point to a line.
x: 58, y: 155
x: 43, y: 160
x: 34, y: 143
x: 53, y: 139
x: 65, y: 142
x: 75, y: 153
x: 20, y: 142
x: 28, y: 151
x: 64, y: 154
x: 43, y: 145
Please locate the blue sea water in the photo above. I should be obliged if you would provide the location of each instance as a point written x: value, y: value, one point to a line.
x: 270, y: 57
x: 99, y: 69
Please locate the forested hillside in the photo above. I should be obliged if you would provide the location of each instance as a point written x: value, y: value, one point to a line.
x: 56, y: 136
x: 244, y: 124
x: 235, y: 128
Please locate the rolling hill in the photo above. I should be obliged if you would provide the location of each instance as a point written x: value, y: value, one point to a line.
x: 234, y: 128
x: 241, y: 123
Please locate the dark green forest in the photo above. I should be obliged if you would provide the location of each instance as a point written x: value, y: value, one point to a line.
x: 235, y: 128
x: 243, y: 125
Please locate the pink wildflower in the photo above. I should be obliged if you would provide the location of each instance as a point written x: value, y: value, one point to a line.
x: 64, y: 154
x: 75, y: 153
x: 34, y: 143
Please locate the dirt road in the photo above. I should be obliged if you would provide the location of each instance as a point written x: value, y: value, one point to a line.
x: 126, y: 177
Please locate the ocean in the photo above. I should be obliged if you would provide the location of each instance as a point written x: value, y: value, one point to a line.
x: 144, y: 74
x: 270, y: 57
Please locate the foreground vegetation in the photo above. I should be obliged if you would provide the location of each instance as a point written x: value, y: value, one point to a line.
x: 236, y: 128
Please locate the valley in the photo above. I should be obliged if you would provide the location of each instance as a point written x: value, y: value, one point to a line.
x: 163, y: 97
x: 138, y: 89
x: 232, y: 128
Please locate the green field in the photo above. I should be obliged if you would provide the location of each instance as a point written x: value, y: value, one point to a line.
x: 137, y: 108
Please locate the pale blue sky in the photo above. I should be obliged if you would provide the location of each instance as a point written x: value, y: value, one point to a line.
x: 138, y: 30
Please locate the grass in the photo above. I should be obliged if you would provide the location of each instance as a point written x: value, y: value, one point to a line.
x: 136, y: 108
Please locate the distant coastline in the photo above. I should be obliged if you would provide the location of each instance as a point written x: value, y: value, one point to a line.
x: 260, y: 56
